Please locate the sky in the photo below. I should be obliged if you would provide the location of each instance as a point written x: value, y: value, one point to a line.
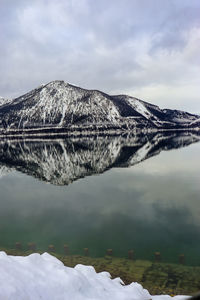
x: 149, y: 49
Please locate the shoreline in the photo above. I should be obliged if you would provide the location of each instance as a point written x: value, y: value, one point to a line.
x: 157, y: 277
x: 46, y: 133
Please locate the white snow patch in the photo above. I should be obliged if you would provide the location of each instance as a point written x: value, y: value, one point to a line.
x: 195, y: 121
x: 45, y: 277
x: 4, y: 101
x: 140, y: 108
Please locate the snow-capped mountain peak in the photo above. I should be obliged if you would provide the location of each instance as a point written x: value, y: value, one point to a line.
x: 59, y: 104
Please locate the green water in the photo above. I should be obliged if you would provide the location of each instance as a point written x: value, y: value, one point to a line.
x: 150, y: 206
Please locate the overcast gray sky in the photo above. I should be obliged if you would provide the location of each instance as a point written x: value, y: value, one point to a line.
x: 146, y: 48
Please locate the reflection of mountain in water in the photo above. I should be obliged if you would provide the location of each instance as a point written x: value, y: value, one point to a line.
x: 60, y: 162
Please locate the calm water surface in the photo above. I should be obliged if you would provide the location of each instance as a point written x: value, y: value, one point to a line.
x: 146, y: 196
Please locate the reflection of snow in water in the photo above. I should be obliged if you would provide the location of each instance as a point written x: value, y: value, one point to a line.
x: 4, y: 171
x: 61, y: 162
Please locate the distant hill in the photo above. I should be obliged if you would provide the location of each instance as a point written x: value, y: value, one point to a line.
x: 59, y: 105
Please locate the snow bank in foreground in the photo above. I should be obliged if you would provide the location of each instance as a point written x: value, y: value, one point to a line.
x: 45, y: 277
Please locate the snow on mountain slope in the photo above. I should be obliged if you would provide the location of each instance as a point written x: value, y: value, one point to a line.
x: 63, y: 100
x: 180, y: 116
x: 195, y: 124
x: 4, y: 101
x: 140, y: 107
x: 61, y: 105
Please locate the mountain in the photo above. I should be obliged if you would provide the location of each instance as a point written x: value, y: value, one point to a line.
x: 4, y: 101
x: 61, y: 108
x: 62, y: 161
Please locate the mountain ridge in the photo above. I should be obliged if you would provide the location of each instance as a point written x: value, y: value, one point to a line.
x: 59, y: 105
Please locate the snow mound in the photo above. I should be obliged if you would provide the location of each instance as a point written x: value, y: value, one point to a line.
x: 45, y: 277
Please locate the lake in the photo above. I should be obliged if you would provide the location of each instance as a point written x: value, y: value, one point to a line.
x: 118, y: 192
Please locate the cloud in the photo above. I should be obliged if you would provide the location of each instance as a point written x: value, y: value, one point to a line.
x: 145, y: 48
